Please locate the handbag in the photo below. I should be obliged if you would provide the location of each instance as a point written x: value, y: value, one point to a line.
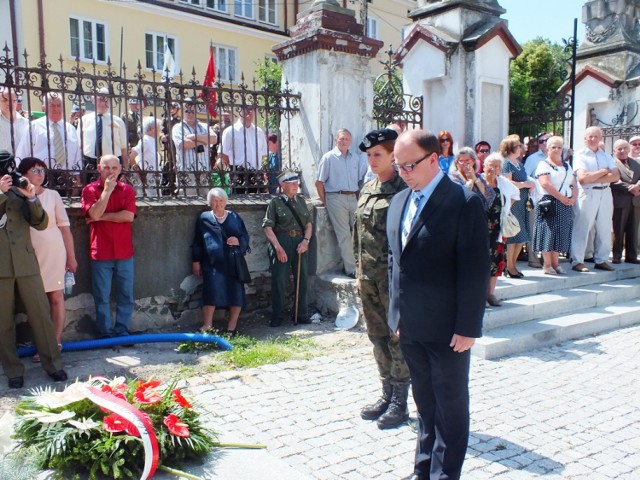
x: 240, y: 266
x: 545, y: 207
x: 508, y: 222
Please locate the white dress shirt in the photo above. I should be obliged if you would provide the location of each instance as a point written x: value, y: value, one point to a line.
x: 39, y: 143
x: 237, y: 137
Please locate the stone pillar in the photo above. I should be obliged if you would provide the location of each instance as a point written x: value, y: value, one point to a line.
x: 608, y: 67
x: 327, y: 62
x: 457, y: 57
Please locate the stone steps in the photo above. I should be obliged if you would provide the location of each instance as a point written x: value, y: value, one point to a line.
x: 541, y: 310
x: 538, y: 310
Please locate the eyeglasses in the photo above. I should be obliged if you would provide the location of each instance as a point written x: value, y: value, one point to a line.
x: 189, y: 110
x: 38, y: 171
x: 484, y: 150
x: 635, y: 144
x: 410, y: 166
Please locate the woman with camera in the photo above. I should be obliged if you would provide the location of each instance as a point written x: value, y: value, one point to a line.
x: 554, y: 211
x: 220, y: 235
x: 53, y: 246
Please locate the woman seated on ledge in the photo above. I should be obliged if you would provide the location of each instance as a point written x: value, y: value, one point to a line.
x: 218, y: 233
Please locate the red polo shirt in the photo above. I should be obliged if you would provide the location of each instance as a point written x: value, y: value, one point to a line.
x: 110, y: 240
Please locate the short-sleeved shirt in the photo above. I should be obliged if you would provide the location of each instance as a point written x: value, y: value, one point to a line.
x: 238, y: 139
x: 110, y: 240
x: 280, y: 218
x: 559, y: 176
x: 590, y: 161
x: 341, y: 173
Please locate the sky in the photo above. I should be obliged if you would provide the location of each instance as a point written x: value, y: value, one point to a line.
x: 552, y: 19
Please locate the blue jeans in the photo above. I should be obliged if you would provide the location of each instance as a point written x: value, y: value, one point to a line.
x: 102, y: 274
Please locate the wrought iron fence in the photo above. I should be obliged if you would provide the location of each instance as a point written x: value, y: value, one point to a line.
x: 390, y: 103
x: 174, y: 137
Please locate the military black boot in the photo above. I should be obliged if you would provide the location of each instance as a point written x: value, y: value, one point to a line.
x: 397, y: 413
x: 371, y: 412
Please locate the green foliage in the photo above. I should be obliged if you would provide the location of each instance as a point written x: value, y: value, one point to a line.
x: 250, y: 352
x: 269, y: 75
x: 536, y: 75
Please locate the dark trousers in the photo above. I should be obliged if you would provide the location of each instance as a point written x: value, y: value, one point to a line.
x: 440, y: 385
x: 280, y: 273
x: 625, y: 232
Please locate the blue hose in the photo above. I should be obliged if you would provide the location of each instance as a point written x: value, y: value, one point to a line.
x: 129, y: 339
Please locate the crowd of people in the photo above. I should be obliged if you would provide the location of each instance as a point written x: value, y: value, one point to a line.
x: 167, y: 155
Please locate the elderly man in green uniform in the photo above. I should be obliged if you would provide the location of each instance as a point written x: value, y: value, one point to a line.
x: 287, y: 225
x: 371, y: 250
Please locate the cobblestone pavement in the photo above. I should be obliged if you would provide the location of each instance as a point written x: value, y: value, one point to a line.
x: 571, y: 411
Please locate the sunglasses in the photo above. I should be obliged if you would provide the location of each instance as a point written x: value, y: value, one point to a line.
x: 484, y: 150
x: 446, y: 140
x: 635, y: 144
x: 543, y: 140
x: 410, y: 166
x: 38, y: 171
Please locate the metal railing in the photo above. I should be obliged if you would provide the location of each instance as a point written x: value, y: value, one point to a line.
x: 174, y: 137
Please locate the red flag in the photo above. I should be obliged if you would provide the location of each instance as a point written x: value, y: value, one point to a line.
x: 208, y: 93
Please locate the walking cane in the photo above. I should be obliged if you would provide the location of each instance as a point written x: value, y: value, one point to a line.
x: 295, y: 317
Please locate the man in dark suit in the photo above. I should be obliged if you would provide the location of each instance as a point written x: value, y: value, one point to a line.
x: 439, y: 273
x: 626, y: 204
x: 20, y: 277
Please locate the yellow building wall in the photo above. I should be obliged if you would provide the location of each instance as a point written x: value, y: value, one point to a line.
x: 193, y: 35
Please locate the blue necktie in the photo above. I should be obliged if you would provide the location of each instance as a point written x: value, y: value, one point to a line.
x: 411, y: 215
x: 99, y: 137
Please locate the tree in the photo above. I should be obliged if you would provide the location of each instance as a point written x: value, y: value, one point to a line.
x: 269, y: 74
x: 536, y: 75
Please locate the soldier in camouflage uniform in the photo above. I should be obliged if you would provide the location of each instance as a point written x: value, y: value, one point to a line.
x: 289, y: 235
x: 371, y: 250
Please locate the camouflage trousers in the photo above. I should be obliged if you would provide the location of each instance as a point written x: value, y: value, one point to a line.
x: 386, y: 345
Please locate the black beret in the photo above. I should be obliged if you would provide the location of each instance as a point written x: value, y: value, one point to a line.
x: 377, y: 137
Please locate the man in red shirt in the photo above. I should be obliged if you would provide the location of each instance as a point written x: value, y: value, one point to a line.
x: 110, y: 207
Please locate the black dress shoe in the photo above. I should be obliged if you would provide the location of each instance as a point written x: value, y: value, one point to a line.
x: 632, y: 260
x: 59, y: 376
x: 16, y: 382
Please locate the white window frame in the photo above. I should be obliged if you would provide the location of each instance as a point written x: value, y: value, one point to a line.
x: 373, y: 28
x: 81, y: 40
x: 268, y: 11
x: 230, y: 55
x: 193, y: 3
x: 246, y: 9
x: 217, y: 5
x: 159, y: 55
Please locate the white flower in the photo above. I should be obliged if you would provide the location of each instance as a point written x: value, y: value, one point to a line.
x: 52, y: 399
x: 49, y: 417
x: 84, y: 424
x: 6, y: 430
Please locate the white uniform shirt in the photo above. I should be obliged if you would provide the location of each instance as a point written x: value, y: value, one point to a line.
x: 236, y: 138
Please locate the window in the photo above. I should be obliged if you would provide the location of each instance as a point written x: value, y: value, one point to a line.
x: 226, y: 61
x: 267, y: 11
x: 193, y: 2
x: 219, y: 5
x: 154, y: 50
x: 88, y: 40
x: 372, y: 28
x: 243, y: 8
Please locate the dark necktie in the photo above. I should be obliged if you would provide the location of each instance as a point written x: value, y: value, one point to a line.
x: 99, y: 137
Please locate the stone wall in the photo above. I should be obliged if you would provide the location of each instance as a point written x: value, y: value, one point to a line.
x: 167, y: 295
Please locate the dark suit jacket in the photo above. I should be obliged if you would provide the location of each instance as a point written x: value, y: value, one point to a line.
x: 629, y: 175
x: 17, y: 257
x: 438, y: 283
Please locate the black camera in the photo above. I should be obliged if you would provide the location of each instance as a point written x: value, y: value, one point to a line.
x: 200, y: 149
x: 18, y: 180
x: 8, y: 167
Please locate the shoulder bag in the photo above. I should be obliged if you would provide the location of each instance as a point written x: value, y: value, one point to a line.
x: 508, y: 221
